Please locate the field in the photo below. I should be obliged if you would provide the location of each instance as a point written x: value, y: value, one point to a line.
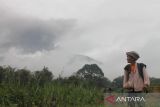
x: 23, y: 88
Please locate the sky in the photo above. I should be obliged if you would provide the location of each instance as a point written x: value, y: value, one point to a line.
x: 38, y: 33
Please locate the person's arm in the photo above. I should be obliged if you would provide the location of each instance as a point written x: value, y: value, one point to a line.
x: 146, y: 78
x: 124, y: 80
x: 126, y: 83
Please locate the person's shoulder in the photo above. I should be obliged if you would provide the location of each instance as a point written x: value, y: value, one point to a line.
x: 127, y: 67
x: 142, y: 65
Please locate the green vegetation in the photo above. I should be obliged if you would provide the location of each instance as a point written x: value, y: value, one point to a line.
x: 25, y: 88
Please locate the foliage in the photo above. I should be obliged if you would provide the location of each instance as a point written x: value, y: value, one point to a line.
x: 25, y: 88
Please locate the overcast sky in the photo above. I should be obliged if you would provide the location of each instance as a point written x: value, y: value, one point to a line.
x: 37, y: 33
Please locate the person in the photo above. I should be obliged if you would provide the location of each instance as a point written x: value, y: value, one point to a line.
x: 136, y: 79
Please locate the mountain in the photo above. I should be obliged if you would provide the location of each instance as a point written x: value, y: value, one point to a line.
x: 76, y: 62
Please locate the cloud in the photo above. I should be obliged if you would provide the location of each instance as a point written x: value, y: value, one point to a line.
x: 106, y: 30
x: 31, y: 34
x: 150, y: 55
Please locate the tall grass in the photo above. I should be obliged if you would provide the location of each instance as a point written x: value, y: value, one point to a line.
x: 62, y: 95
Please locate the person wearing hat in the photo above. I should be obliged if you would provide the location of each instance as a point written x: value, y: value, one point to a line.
x: 136, y: 79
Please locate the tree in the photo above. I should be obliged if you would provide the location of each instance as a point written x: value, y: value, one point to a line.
x: 43, y: 76
x: 93, y: 75
x: 90, y: 72
x: 7, y: 74
x: 2, y: 74
x: 23, y: 76
x: 118, y: 82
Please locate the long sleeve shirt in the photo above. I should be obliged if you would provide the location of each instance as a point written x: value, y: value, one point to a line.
x: 135, y: 81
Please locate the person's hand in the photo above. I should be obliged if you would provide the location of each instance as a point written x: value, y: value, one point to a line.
x: 145, y: 88
x: 128, y: 85
x: 146, y: 85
